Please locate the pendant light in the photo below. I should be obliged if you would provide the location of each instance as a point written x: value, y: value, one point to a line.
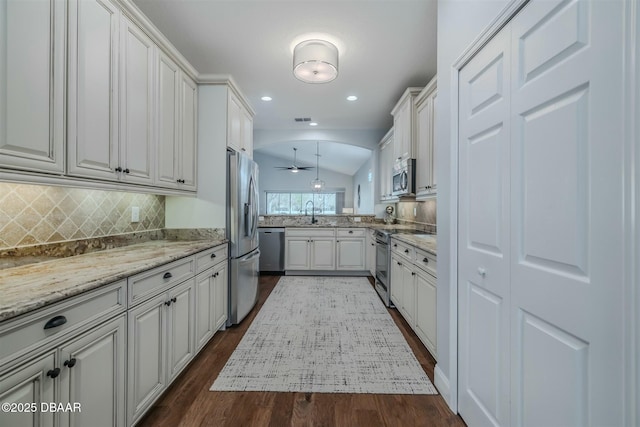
x: 317, y: 184
x: 315, y: 61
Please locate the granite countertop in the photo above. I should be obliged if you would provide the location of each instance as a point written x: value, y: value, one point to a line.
x: 26, y: 288
x: 427, y: 242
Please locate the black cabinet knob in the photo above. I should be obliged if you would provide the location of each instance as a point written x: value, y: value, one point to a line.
x: 118, y: 169
x: 399, y: 263
x: 173, y: 299
x: 55, y: 322
x: 406, y: 251
x: 350, y: 231
x: 213, y: 255
x: 167, y: 275
x: 413, y: 273
x: 425, y: 260
x: 167, y: 303
x: 126, y: 170
x: 53, y: 373
x: 70, y: 363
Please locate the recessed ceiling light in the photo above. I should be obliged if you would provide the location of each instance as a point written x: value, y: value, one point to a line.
x: 313, y: 124
x: 266, y: 98
x: 352, y: 98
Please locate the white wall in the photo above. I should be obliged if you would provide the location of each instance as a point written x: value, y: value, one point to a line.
x: 272, y: 179
x: 207, y: 210
x: 361, y: 178
x: 459, y: 23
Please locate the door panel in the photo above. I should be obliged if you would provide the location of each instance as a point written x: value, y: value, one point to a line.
x: 483, y: 290
x: 566, y: 224
x: 167, y: 151
x: 181, y: 334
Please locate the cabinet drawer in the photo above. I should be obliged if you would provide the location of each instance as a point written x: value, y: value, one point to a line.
x: 403, y: 249
x: 32, y: 330
x: 310, y: 232
x: 426, y: 261
x: 159, y: 279
x: 210, y: 257
x: 351, y: 232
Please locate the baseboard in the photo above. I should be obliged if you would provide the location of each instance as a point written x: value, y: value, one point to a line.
x: 442, y: 384
x: 327, y: 273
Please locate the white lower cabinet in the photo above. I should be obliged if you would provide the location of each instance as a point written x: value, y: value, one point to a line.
x: 75, y: 355
x: 28, y: 383
x: 211, y: 303
x: 414, y: 292
x: 161, y: 344
x: 371, y: 252
x: 310, y: 249
x: 94, y: 376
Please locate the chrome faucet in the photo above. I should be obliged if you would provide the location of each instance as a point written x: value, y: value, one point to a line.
x: 313, y: 209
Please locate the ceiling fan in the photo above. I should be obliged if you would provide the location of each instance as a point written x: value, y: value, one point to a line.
x: 294, y: 168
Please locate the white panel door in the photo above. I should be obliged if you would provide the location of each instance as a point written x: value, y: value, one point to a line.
x: 350, y: 254
x: 180, y: 330
x: 426, y: 296
x: 323, y: 254
x: 296, y: 254
x: 234, y: 123
x: 247, y: 133
x: 92, y: 130
x: 32, y: 84
x: 136, y: 103
x: 220, y: 297
x: 205, y: 307
x: 566, y: 214
x: 93, y: 374
x: 483, y: 236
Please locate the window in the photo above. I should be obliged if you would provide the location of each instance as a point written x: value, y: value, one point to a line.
x: 288, y: 203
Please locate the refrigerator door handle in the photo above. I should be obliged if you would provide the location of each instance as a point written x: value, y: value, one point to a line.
x: 247, y: 210
x: 254, y: 210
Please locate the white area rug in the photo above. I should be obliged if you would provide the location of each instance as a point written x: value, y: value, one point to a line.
x: 325, y: 335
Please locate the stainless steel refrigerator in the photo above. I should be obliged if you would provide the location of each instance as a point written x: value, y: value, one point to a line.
x: 242, y: 232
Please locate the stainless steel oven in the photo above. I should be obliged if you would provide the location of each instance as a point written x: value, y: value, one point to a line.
x: 383, y: 262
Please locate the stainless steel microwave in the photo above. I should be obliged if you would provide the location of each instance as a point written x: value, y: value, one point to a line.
x: 404, y: 178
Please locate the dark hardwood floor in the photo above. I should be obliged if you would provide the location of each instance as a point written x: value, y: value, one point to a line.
x: 188, y: 401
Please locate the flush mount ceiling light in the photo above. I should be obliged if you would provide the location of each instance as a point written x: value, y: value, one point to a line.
x: 266, y: 98
x: 317, y: 184
x: 315, y: 61
x: 313, y: 124
x: 352, y: 98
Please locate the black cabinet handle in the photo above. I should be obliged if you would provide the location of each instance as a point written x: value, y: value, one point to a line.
x: 213, y: 255
x: 399, y: 263
x: 413, y: 273
x: 173, y: 299
x: 406, y: 251
x: 118, y: 169
x: 373, y: 244
x: 167, y: 303
x: 126, y: 170
x: 70, y: 363
x: 55, y: 322
x: 53, y: 372
x: 167, y: 275
x: 350, y: 231
x: 181, y: 181
x: 425, y: 260
x: 395, y: 245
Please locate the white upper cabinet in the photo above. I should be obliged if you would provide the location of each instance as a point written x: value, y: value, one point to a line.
x: 92, y: 126
x: 425, y: 158
x: 32, y: 79
x: 136, y: 103
x: 239, y: 125
x: 188, y: 135
x: 385, y: 166
x: 404, y: 125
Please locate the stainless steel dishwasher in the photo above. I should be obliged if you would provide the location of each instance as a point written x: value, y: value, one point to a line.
x: 271, y: 249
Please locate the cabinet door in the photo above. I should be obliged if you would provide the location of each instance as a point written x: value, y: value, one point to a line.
x: 93, y: 368
x: 32, y: 78
x: 188, y: 141
x: 93, y: 96
x: 28, y: 383
x: 180, y: 331
x: 424, y: 147
x: 408, y: 293
x: 234, y: 124
x: 426, y: 310
x: 247, y: 133
x: 402, y: 132
x: 146, y: 367
x: 434, y: 158
x: 350, y: 254
x: 396, y: 282
x: 371, y: 254
x: 136, y: 103
x: 296, y: 254
x: 205, y: 306
x: 167, y: 127
x: 221, y: 298
x: 323, y: 254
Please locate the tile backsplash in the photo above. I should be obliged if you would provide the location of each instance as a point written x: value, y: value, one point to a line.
x: 33, y: 214
x: 425, y: 213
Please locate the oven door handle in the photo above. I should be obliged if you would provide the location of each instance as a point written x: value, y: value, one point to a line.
x: 381, y: 243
